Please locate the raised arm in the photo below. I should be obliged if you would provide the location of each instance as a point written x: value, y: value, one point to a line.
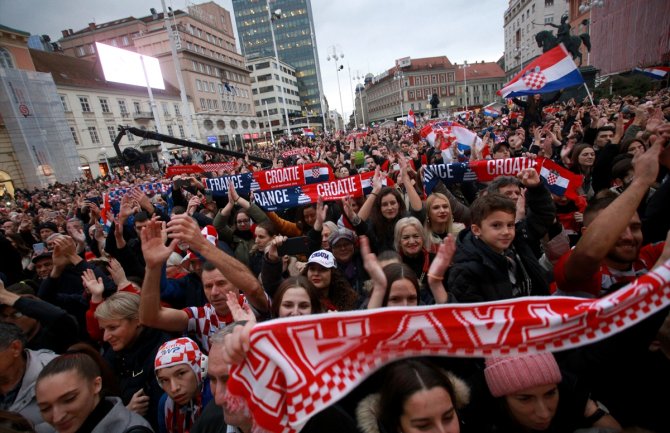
x: 374, y: 269
x: 603, y: 232
x: 155, y: 255
x: 364, y: 211
x: 184, y: 229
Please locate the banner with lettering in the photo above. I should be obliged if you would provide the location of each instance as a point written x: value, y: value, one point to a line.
x: 293, y: 176
x: 559, y: 180
x: 482, y: 171
x: 284, y: 198
x: 297, y: 151
x: 215, y: 167
x: 299, y: 366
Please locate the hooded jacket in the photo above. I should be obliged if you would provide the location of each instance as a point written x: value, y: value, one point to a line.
x: 479, y: 274
x: 120, y: 419
x: 368, y: 409
x: 25, y: 402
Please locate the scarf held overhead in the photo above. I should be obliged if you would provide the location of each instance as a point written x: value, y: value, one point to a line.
x: 293, y: 176
x: 284, y: 198
x: 299, y: 366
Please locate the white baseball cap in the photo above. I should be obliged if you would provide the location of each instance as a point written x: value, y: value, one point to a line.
x: 322, y: 257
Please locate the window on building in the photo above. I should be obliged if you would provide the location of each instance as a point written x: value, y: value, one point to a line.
x: 80, y: 51
x: 170, y: 131
x: 181, y: 132
x: 94, y: 134
x: 122, y: 107
x: 198, y: 85
x: 176, y: 109
x: 215, y: 104
x: 125, y: 41
x: 85, y: 106
x: 63, y: 101
x: 220, y: 89
x: 195, y: 65
x: 138, y: 107
x: 548, y: 3
x: 549, y: 19
x: 111, y: 130
x: 130, y: 136
x: 203, y: 104
x: 166, y: 108
x: 104, y: 105
x: 73, y: 131
x: 91, y: 49
x: 209, y: 104
x: 209, y: 70
x: 6, y: 59
x: 211, y: 87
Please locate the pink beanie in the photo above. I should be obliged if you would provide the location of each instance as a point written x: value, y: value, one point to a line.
x: 508, y: 375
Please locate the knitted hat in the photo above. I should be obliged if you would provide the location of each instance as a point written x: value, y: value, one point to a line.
x: 182, y: 351
x: 210, y: 233
x: 508, y: 375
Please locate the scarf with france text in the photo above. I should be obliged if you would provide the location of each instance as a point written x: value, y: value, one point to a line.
x: 299, y: 366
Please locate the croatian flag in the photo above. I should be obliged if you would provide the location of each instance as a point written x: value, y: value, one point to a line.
x: 307, y: 132
x: 559, y: 180
x: 656, y: 72
x: 411, y: 120
x: 488, y: 111
x: 315, y: 173
x: 446, y: 134
x: 552, y: 71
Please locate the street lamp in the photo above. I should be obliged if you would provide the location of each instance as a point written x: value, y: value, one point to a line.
x: 399, y: 77
x: 588, y: 5
x: 272, y: 16
x: 353, y: 101
x: 360, y: 97
x: 335, y: 56
x: 464, y: 66
x: 103, y: 152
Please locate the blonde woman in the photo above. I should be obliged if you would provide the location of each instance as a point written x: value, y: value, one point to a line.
x: 439, y: 220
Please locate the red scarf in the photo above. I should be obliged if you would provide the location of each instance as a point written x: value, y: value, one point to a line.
x: 299, y: 366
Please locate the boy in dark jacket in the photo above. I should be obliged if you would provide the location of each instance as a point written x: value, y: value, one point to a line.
x: 492, y: 263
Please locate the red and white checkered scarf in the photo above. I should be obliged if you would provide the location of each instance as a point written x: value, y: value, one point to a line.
x: 299, y: 366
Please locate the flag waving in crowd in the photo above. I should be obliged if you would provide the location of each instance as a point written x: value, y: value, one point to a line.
x: 446, y: 136
x: 552, y: 71
x: 411, y: 120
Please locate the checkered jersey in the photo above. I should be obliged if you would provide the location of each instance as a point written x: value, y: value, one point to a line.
x: 203, y: 322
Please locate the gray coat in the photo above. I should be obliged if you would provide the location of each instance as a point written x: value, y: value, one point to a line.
x: 119, y: 419
x: 25, y: 402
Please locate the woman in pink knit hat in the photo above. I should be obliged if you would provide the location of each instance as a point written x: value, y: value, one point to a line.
x: 529, y: 393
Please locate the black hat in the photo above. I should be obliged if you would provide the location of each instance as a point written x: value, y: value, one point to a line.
x: 48, y: 225
x: 45, y: 255
x: 497, y: 146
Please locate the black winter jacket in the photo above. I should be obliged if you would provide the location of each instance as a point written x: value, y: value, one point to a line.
x: 479, y: 274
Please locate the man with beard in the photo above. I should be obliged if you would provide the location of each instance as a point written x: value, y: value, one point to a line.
x: 610, y: 253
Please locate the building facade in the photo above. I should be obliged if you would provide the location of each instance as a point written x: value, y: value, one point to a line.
x: 477, y: 84
x: 626, y: 34
x: 94, y: 108
x: 295, y: 38
x: 214, y: 73
x: 409, y: 85
x: 271, y: 83
x: 523, y: 19
x: 36, y: 148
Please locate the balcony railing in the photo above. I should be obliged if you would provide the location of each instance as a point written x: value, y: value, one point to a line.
x: 143, y: 115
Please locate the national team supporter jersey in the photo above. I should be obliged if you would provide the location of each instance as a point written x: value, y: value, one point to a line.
x: 203, y: 322
x: 607, y: 279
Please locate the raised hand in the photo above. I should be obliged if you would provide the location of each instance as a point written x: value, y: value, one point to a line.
x: 236, y: 344
x: 442, y: 260
x: 529, y: 177
x: 153, y: 247
x: 321, y: 212
x: 93, y: 285
x: 117, y: 273
x: 184, y: 229
x: 371, y: 264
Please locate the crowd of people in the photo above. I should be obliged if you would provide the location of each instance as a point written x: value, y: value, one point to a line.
x: 122, y: 317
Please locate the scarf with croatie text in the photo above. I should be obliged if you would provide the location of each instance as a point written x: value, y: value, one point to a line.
x: 559, y: 180
x: 295, y: 175
x: 299, y: 366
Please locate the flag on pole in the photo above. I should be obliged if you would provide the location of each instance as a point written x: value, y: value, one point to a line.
x: 552, y: 71
x: 656, y: 72
x: 560, y: 180
x: 307, y: 132
x: 411, y: 120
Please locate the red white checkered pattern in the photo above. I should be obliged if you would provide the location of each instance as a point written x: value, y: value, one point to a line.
x: 535, y: 80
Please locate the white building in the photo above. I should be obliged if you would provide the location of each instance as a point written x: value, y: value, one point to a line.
x: 94, y: 108
x: 524, y: 19
x: 267, y: 82
x: 336, y: 119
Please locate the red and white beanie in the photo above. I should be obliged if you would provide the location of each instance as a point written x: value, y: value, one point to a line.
x: 182, y: 351
x: 512, y: 374
x: 210, y: 233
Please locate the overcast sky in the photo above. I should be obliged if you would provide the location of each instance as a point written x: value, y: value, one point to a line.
x: 372, y: 34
